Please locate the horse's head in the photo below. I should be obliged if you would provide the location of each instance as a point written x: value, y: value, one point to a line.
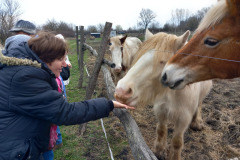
x: 213, y: 52
x: 116, y: 48
x: 142, y: 83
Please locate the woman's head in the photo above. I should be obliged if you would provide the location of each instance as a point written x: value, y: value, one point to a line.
x: 50, y: 50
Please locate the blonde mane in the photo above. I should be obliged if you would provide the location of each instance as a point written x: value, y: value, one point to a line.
x: 162, y: 44
x: 213, y: 16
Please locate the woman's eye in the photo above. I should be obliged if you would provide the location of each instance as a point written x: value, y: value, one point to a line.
x: 210, y: 42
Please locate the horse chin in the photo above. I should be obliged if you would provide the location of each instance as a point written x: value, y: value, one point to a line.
x: 133, y: 102
x: 117, y: 71
x: 178, y: 87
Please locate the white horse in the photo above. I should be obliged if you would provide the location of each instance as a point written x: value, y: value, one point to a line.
x: 142, y: 84
x: 123, y: 50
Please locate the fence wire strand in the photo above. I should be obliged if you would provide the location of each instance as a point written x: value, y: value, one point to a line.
x: 195, y: 55
x: 111, y: 154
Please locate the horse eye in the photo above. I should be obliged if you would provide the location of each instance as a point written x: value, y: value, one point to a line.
x: 163, y: 62
x: 109, y: 43
x: 210, y: 42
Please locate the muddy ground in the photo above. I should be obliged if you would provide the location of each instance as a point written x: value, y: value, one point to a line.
x: 220, y: 139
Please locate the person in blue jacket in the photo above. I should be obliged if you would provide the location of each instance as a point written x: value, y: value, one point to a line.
x: 30, y: 102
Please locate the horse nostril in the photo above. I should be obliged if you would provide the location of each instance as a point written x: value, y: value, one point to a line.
x: 113, y: 65
x: 129, y: 91
x: 177, y: 83
x: 164, y: 77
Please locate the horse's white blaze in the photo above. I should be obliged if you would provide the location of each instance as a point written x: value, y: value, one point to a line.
x: 136, y: 76
x: 117, y: 57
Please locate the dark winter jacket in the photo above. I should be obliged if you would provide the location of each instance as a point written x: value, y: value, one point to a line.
x: 30, y: 102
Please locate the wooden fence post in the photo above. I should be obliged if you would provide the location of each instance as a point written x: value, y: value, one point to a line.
x: 77, y: 44
x: 94, y: 76
x: 81, y: 67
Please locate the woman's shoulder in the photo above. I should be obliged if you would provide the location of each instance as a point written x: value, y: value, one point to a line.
x: 32, y: 78
x: 27, y: 72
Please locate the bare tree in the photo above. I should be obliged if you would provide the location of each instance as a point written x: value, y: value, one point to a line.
x: 178, y: 16
x: 147, y: 16
x: 51, y: 25
x: 200, y: 13
x: 67, y: 30
x: 100, y: 27
x: 9, y: 14
x: 118, y: 28
x: 91, y: 29
x: 154, y: 25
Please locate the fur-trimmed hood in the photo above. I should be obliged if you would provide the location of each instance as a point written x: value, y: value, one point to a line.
x: 19, y: 56
x: 12, y: 61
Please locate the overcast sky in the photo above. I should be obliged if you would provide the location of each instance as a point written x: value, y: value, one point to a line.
x: 92, y: 12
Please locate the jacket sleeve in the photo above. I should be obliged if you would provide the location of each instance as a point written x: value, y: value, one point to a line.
x: 32, y: 95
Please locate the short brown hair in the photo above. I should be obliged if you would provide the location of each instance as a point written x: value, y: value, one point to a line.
x: 48, y: 47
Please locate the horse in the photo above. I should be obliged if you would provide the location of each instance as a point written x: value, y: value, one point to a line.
x: 213, y: 51
x: 141, y: 85
x: 123, y: 50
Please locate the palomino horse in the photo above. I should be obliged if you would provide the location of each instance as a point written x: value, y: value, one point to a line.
x: 141, y: 84
x: 123, y: 50
x: 213, y: 52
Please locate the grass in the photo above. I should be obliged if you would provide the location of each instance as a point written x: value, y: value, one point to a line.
x: 92, y: 145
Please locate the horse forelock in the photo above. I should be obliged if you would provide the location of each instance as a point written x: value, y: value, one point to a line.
x: 213, y: 16
x: 163, y: 45
x: 116, y: 39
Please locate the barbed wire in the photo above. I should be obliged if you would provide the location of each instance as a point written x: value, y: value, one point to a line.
x: 195, y: 55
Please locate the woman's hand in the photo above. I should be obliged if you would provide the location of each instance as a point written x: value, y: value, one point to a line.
x: 120, y: 105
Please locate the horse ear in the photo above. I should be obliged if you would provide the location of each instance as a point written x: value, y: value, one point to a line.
x: 122, y: 40
x: 148, y: 35
x: 181, y: 40
x: 234, y: 7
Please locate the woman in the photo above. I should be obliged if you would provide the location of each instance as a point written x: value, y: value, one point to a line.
x: 30, y: 102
